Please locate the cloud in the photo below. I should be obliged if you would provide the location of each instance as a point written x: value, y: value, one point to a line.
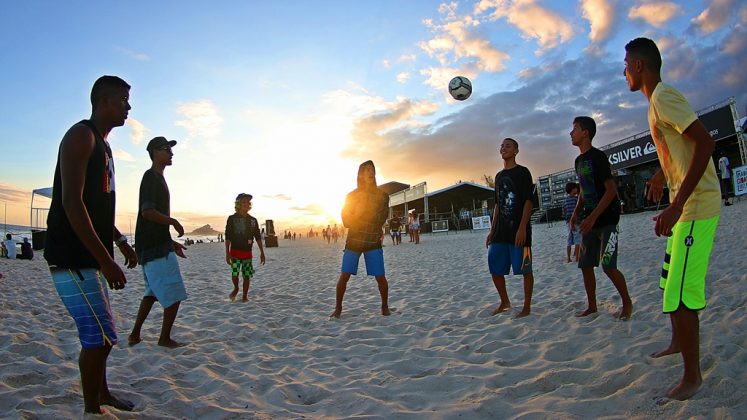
x: 201, y: 119
x: 453, y: 41
x: 715, y: 16
x: 134, y: 55
x: 403, y: 77
x: 137, y: 130
x: 656, y: 13
x: 535, y: 22
x: 120, y: 154
x: 310, y: 210
x: 13, y: 194
x: 601, y: 17
x: 284, y: 197
x: 407, y: 57
x: 386, y: 64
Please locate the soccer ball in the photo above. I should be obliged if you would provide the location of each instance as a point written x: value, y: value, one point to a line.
x: 460, y: 88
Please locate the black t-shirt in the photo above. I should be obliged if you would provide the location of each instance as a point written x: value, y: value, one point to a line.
x: 394, y: 224
x: 62, y: 248
x: 513, y: 188
x: 240, y: 230
x: 364, y: 214
x: 153, y: 240
x: 593, y: 169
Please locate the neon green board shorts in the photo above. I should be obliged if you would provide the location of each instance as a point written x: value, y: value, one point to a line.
x: 686, y: 264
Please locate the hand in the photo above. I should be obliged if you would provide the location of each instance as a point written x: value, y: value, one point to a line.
x: 666, y: 220
x: 521, y: 237
x: 129, y: 254
x: 262, y: 258
x: 178, y: 227
x: 228, y: 259
x: 655, y: 188
x: 114, y: 275
x: 179, y: 249
x: 487, y: 240
x: 587, y: 225
x: 572, y: 220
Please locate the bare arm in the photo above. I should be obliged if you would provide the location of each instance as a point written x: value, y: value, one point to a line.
x: 522, y: 231
x: 493, y: 222
x: 704, y: 146
x: 156, y: 216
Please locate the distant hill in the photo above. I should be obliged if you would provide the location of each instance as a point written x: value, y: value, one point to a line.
x: 206, y: 230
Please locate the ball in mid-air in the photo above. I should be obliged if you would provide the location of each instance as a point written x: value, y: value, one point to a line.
x: 460, y: 88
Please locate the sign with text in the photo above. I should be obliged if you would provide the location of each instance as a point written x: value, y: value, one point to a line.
x: 480, y: 223
x: 440, y: 226
x: 739, y: 175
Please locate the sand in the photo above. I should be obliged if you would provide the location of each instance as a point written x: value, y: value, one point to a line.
x: 439, y: 355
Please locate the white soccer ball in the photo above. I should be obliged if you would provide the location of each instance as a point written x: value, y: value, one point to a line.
x: 460, y: 88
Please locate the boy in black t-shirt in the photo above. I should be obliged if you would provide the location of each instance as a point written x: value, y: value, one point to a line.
x: 599, y: 207
x: 241, y: 232
x: 156, y: 250
x: 510, y: 239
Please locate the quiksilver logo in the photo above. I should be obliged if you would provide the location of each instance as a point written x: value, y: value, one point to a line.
x: 649, y: 148
x: 689, y: 240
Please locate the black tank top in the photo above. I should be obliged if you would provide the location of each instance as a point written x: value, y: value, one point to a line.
x: 62, y: 248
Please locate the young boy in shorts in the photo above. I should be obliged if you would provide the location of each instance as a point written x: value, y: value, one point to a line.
x: 509, y: 241
x: 599, y: 207
x: 364, y: 213
x: 242, y: 230
x: 684, y: 147
x: 574, y: 234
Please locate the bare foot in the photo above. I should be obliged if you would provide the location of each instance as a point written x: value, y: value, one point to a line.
x: 233, y: 294
x: 684, y: 390
x: 169, y: 343
x: 133, y: 340
x: 666, y: 352
x: 503, y: 307
x: 625, y: 313
x: 385, y: 310
x: 102, y: 414
x: 587, y: 312
x: 522, y: 314
x: 117, y: 403
x: 245, y: 299
x: 336, y: 314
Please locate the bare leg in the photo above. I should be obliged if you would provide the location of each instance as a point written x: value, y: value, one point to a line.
x: 142, y: 313
x: 568, y: 253
x: 92, y: 364
x: 622, y: 288
x: 674, y: 346
x: 577, y: 252
x: 688, y: 336
x: 528, y: 288
x: 590, y: 284
x: 384, y: 292
x: 106, y: 397
x: 500, y: 285
x: 169, y: 316
x: 235, y: 291
x: 245, y: 289
x: 342, y: 284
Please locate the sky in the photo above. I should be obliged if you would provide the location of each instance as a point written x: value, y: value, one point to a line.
x: 284, y: 99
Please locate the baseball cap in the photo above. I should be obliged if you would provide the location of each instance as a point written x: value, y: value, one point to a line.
x: 243, y: 195
x: 157, y: 142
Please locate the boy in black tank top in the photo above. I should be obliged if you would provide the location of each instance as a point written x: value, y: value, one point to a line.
x: 80, y: 233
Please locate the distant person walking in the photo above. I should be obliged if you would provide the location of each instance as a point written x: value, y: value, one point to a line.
x: 509, y: 241
x: 726, y: 187
x: 599, y: 208
x: 80, y: 236
x: 364, y: 213
x: 684, y: 147
x: 156, y: 250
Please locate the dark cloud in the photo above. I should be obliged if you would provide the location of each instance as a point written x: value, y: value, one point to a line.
x: 464, y: 145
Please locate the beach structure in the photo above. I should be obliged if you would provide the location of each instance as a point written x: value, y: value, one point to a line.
x: 451, y: 208
x: 38, y: 218
x: 634, y: 161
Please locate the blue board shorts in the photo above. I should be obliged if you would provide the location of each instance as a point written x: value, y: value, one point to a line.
x: 574, y: 234
x: 164, y: 281
x: 85, y: 293
x: 503, y: 257
x: 374, y: 262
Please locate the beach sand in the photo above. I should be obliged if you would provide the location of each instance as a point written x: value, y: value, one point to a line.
x: 439, y: 355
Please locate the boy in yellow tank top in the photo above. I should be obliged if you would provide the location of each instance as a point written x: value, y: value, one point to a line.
x: 684, y: 147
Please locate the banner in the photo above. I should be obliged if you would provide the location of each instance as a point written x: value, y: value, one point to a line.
x: 739, y: 177
x: 480, y: 223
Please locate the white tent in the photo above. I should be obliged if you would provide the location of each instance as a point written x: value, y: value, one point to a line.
x: 44, y: 192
